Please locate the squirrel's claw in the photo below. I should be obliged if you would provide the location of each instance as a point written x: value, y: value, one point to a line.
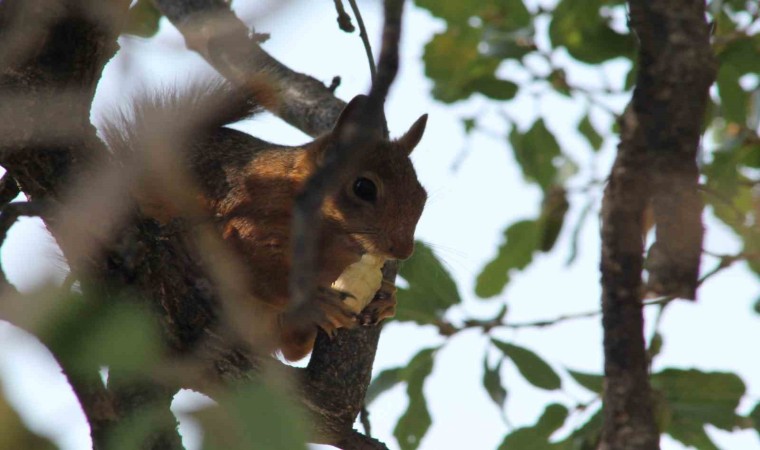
x: 334, y: 313
x: 382, y: 306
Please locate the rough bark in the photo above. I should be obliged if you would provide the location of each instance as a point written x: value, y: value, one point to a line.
x: 656, y: 162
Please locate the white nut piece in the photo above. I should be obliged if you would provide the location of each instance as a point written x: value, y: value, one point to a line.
x: 361, y: 279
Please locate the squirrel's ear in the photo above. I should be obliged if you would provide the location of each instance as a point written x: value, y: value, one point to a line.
x: 411, y: 138
x: 355, y: 114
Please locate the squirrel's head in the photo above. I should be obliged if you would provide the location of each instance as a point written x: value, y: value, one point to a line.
x: 380, y: 202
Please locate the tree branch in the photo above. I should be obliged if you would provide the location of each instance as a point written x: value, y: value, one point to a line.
x: 656, y: 159
x: 364, y: 38
x: 212, y: 29
x: 677, y: 70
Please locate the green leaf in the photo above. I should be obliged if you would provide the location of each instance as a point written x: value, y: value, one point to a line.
x: 755, y: 417
x: 733, y: 99
x: 586, y: 437
x: 431, y: 290
x: 741, y: 54
x: 537, y: 436
x: 143, y: 19
x: 578, y: 26
x: 492, y: 383
x: 415, y: 421
x: 453, y: 12
x: 535, y: 152
x: 535, y: 370
x: 521, y: 240
x: 253, y: 416
x: 694, y: 399
x: 455, y: 65
x: 589, y: 132
x: 576, y: 234
x: 495, y: 88
x: 384, y: 381
x: 469, y: 124
x: 757, y: 306
x: 592, y: 382
x: 655, y: 346
x: 504, y: 14
x: 89, y: 333
x: 553, y: 210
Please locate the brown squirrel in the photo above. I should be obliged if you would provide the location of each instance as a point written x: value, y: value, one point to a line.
x: 249, y: 186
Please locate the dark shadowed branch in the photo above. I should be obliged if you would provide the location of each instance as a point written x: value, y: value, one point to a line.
x: 655, y: 162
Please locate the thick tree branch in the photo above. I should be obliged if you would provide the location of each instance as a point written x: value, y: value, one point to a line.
x: 213, y: 30
x: 656, y: 160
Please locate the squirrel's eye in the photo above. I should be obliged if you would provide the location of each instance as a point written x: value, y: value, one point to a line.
x: 365, y: 189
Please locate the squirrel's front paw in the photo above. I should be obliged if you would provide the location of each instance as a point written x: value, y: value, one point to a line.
x: 382, y: 306
x: 334, y: 312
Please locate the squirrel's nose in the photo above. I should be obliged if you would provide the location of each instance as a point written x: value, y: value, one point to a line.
x: 401, y: 250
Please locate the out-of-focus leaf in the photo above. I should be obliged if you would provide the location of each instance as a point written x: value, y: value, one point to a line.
x: 655, y: 346
x: 384, y: 381
x: 733, y: 99
x: 558, y: 80
x: 135, y: 432
x: 494, y: 88
x: 469, y: 124
x: 553, y: 210
x: 586, y: 128
x: 90, y: 334
x: 535, y: 152
x: 537, y: 436
x: 592, y: 382
x: 578, y: 26
x: 415, y: 421
x: 254, y: 416
x: 576, y: 234
x: 455, y: 65
x: 143, y: 19
x: 755, y: 417
x: 502, y: 44
x: 492, y: 383
x: 586, y: 437
x: 741, y: 54
x: 431, y: 290
x: 694, y: 399
x: 757, y: 306
x: 535, y: 370
x: 504, y: 14
x: 521, y: 240
x: 15, y: 435
x: 452, y: 12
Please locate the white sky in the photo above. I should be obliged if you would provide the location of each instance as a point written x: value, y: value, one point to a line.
x: 464, y: 220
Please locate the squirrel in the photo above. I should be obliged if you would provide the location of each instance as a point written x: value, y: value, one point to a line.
x: 248, y: 186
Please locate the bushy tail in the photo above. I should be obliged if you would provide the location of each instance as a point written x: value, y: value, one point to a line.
x: 183, y: 114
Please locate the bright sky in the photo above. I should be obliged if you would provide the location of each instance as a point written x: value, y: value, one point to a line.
x: 464, y: 220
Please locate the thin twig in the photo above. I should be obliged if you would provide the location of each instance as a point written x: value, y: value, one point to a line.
x: 364, y: 419
x: 364, y: 37
x: 344, y: 20
x: 8, y: 189
x: 448, y: 329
